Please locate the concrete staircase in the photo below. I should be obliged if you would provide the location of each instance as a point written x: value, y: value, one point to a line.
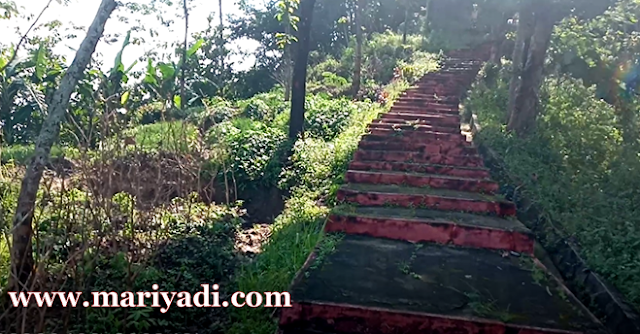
x: 427, y: 245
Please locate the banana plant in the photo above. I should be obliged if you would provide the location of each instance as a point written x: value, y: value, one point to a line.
x: 161, y: 79
x: 23, y: 87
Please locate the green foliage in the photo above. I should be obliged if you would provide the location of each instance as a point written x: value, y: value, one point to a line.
x: 263, y: 107
x: 21, y: 154
x: 325, y: 118
x: 198, y: 248
x: 573, y: 168
x: 252, y: 151
x: 316, y: 170
x: 175, y: 136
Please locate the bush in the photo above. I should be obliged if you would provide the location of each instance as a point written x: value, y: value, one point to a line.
x: 175, y: 136
x: 325, y: 118
x: 253, y: 151
x: 573, y: 167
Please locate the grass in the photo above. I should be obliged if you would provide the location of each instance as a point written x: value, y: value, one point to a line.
x: 20, y: 154
x: 319, y: 168
x: 574, y: 169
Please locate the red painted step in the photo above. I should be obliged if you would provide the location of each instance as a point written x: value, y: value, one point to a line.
x: 419, y: 157
x: 419, y: 135
x: 434, y: 119
x: 412, y: 146
x: 422, y: 180
x: 459, y: 171
x: 418, y: 110
x: 416, y: 127
x: 438, y: 199
x: 416, y: 121
x: 426, y: 104
x: 420, y: 225
x: 434, y: 109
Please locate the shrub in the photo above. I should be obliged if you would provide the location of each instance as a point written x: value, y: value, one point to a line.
x: 325, y: 118
x: 175, y: 136
x: 573, y: 167
x: 253, y: 151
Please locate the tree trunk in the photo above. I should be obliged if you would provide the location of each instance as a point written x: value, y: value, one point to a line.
x: 357, y: 73
x: 221, y: 35
x: 520, y: 51
x: 405, y: 29
x: 184, y: 52
x: 298, y: 91
x: 21, y: 249
x: 287, y: 61
x: 523, y: 119
x: 425, y: 24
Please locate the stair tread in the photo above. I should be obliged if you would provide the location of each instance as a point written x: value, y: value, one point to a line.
x: 417, y: 164
x: 438, y: 280
x: 440, y: 176
x: 404, y: 190
x: 417, y: 152
x: 429, y: 215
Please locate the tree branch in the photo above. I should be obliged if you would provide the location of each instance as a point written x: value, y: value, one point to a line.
x: 24, y: 37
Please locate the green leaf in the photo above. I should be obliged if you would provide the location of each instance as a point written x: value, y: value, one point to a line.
x: 168, y: 71
x: 118, y: 66
x: 40, y: 62
x: 177, y: 100
x: 124, y: 98
x: 193, y: 49
x: 150, y: 76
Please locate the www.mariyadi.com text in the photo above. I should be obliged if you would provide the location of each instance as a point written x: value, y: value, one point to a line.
x: 207, y: 297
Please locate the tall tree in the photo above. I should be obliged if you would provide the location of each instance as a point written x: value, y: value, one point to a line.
x: 183, y: 68
x: 525, y: 112
x: 405, y: 27
x: 520, y: 50
x: 222, y: 54
x: 357, y: 72
x: 546, y: 14
x: 298, y: 91
x: 21, y: 249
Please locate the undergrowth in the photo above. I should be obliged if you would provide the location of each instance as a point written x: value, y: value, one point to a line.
x: 574, y: 169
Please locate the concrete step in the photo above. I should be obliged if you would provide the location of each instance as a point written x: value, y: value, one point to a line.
x: 433, y: 119
x: 431, y: 98
x: 421, y: 180
x: 419, y: 157
x: 402, y: 106
x: 419, y: 135
x: 382, y: 286
x: 458, y: 171
x: 422, y: 225
x: 426, y: 198
x: 417, y: 127
x: 412, y: 146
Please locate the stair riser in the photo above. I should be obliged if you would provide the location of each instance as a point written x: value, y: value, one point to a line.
x: 408, y: 121
x: 426, y: 201
x: 417, y: 127
x: 420, y: 158
x: 445, y: 144
x: 444, y: 100
x: 481, y: 186
x: 426, y: 104
x: 452, y: 122
x: 342, y: 318
x: 432, y: 231
x: 417, y: 110
x: 415, y: 168
x: 419, y: 135
x: 417, y: 147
